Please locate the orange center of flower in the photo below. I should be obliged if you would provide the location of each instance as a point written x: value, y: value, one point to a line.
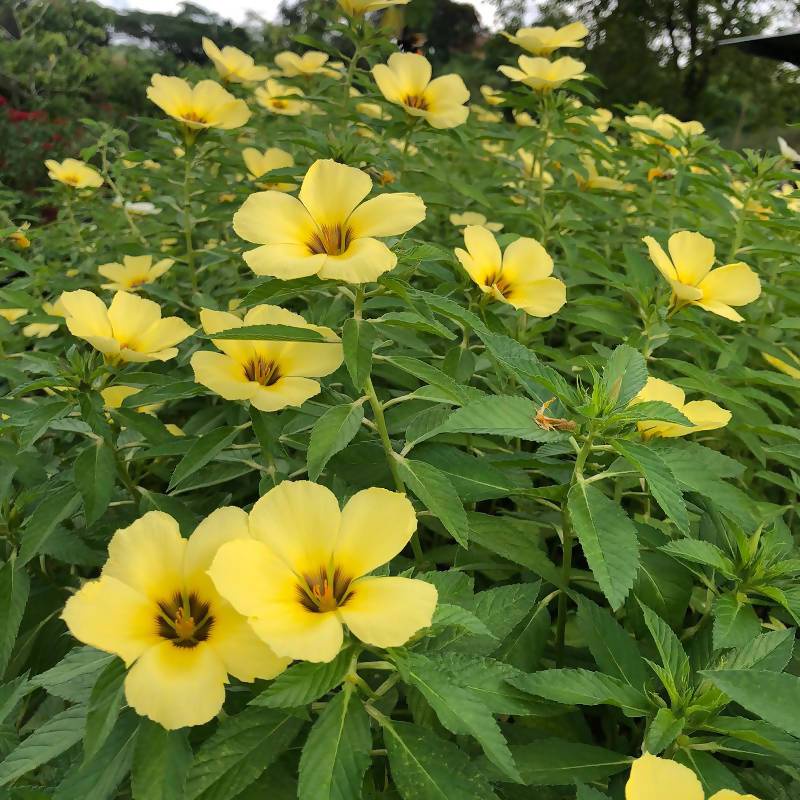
x: 280, y: 104
x: 261, y: 371
x: 497, y: 280
x: 416, y: 101
x: 193, y: 116
x: 184, y: 620
x: 321, y: 593
x: 72, y: 180
x: 331, y: 239
x: 137, y: 282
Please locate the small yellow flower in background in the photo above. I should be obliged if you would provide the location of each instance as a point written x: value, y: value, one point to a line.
x: 495, y: 148
x: 206, y: 105
x: 594, y: 180
x: 752, y: 205
x: 524, y: 119
x: 357, y: 8
x: 293, y: 65
x: 404, y: 146
x: 494, y: 97
x: 520, y: 277
x: 545, y: 40
x: 786, y: 191
x: 474, y: 218
x: 233, y: 65
x: 41, y: 330
x: 155, y: 607
x: 543, y: 75
x: 688, y: 270
x: 368, y: 109
x: 787, y: 151
x: 405, y: 80
x: 168, y: 244
x: 484, y: 114
x: 705, y: 415
x: 259, y: 164
x: 654, y: 778
x: 113, y: 397
x: 304, y: 573
x: 658, y: 174
x: 271, y: 375
x: 12, y: 314
x: 148, y: 163
x: 280, y: 99
x: 134, y: 272
x: 74, y: 173
x: 792, y: 370
x: 665, y: 126
x: 327, y: 230
x: 130, y: 329
x: 18, y: 237
x: 532, y: 169
x: 599, y: 117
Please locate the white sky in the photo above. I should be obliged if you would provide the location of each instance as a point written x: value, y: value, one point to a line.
x: 236, y: 9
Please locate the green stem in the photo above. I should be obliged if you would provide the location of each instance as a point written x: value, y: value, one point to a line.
x: 187, y: 216
x: 541, y: 157
x: 568, y: 537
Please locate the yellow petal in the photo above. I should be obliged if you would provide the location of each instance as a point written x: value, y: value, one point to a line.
x: 177, y: 686
x: 131, y: 315
x: 110, y: 615
x: 284, y: 261
x: 720, y: 309
x: 87, y: 314
x: 283, y: 393
x: 728, y: 794
x: 171, y: 94
x: 692, y: 254
x: 660, y: 259
x: 387, y: 612
x: 539, y: 298
x: 224, y: 525
x: 308, y: 360
x: 376, y: 525
x: 734, y: 285
x: 526, y: 260
x: 148, y: 556
x: 656, y: 389
x: 387, y: 215
x: 164, y: 333
x: 331, y: 191
x: 706, y: 415
x: 654, y: 778
x: 364, y: 261
x: 216, y: 321
x: 273, y: 218
x: 412, y: 72
x: 299, y: 521
x: 484, y: 250
x: 446, y: 91
x: 223, y: 375
x: 292, y: 631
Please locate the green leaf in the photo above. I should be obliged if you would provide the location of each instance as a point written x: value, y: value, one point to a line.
x: 608, y: 539
x: 47, y: 742
x: 337, y: 752
x: 14, y: 590
x: 238, y: 752
x: 624, y: 376
x: 11, y: 693
x: 358, y: 339
x: 651, y: 410
x: 673, y: 656
x: 660, y: 480
x: 203, y: 450
x: 556, y: 762
x: 433, y: 376
x: 500, y: 415
x: 735, y: 622
x: 332, y: 432
x: 73, y: 678
x: 436, y: 492
x: 305, y: 682
x: 425, y: 767
x: 662, y: 731
x: 698, y: 551
x: 161, y: 762
x: 614, y: 650
x: 269, y: 333
x: 584, y: 688
x: 150, y: 395
x: 458, y: 709
x: 94, y: 477
x: 58, y: 506
x: 501, y: 608
x: 105, y: 703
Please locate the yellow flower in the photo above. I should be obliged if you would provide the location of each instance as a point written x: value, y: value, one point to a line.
x: 791, y: 370
x: 657, y: 174
x: 753, y: 206
x: 326, y: 230
x: 494, y: 97
x: 357, y: 8
x: 406, y: 81
x: 654, y: 778
x: 484, y: 114
x: 12, y: 314
x: 130, y: 329
x: 155, y: 607
x: 113, y: 397
x: 688, y: 270
x: 294, y: 66
x: 545, y: 40
x: 19, y: 239
x: 543, y: 75
x: 134, y: 272
x: 41, y: 330
x: 599, y: 117
x: 473, y: 218
x: 704, y: 415
x: 271, y: 375
x: 74, y: 173
x: 206, y: 105
x: 373, y: 110
x: 404, y: 146
x: 594, y: 180
x: 279, y: 99
x: 524, y: 119
x: 532, y: 169
x: 304, y: 573
x: 234, y: 65
x: 665, y: 126
x: 521, y: 277
x: 259, y: 164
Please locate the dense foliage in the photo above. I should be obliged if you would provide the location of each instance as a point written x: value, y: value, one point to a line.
x: 562, y: 438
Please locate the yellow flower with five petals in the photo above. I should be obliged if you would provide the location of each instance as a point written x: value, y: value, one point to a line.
x: 304, y: 574
x: 688, y: 271
x: 326, y: 230
x: 155, y: 607
x: 309, y: 63
x: 134, y: 272
x: 520, y: 277
x: 405, y: 80
x: 543, y: 41
x: 233, y: 65
x: 280, y: 99
x: 270, y: 374
x: 130, y: 329
x: 474, y: 218
x: 205, y: 105
x: 72, y: 172
x: 259, y: 164
x: 543, y: 75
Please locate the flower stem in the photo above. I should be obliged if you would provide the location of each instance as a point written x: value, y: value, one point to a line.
x: 187, y: 216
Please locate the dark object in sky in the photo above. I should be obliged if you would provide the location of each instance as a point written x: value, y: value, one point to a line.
x: 777, y: 46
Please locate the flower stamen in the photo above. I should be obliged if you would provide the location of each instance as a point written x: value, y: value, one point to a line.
x: 332, y: 240
x: 261, y: 371
x: 416, y: 101
x: 184, y: 620
x: 319, y: 593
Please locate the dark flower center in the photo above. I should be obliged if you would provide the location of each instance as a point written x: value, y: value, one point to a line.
x: 497, y: 280
x: 262, y: 371
x: 193, y: 116
x: 184, y: 620
x: 320, y: 593
x: 331, y: 239
x: 416, y: 101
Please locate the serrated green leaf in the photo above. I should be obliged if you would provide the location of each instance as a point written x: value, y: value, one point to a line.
x: 556, y: 762
x: 358, y: 339
x: 14, y: 591
x: 105, y: 703
x: 94, y: 477
x: 161, y: 761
